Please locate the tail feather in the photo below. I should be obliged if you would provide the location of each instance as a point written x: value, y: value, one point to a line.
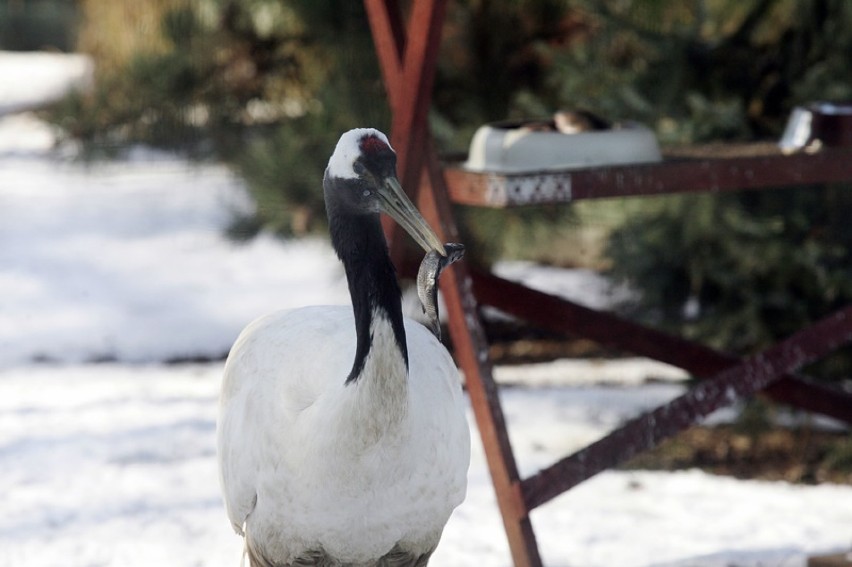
x: 256, y: 558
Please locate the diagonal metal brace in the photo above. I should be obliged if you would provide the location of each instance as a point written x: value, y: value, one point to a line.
x: 753, y: 374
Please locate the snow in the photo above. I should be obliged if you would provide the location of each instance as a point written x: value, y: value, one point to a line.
x: 113, y: 463
x: 127, y: 261
x: 31, y: 80
x: 583, y: 286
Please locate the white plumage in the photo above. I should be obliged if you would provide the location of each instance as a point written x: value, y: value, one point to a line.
x: 320, y: 470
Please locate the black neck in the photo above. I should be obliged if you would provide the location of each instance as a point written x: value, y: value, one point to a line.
x: 360, y: 244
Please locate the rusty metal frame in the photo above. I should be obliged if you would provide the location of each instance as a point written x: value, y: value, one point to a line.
x: 743, y: 380
x: 563, y: 316
x: 726, y: 378
x: 408, y: 60
x: 708, y: 173
x: 408, y: 57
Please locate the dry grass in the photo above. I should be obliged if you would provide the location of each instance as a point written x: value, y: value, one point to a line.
x: 114, y: 31
x: 801, y: 455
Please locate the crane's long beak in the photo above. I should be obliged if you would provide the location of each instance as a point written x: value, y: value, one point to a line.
x: 396, y: 203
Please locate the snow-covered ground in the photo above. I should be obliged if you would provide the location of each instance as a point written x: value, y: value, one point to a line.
x: 112, y: 463
x: 29, y: 80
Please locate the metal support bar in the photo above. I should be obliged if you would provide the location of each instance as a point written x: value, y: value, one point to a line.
x: 408, y: 61
x: 408, y: 64
x: 645, y: 432
x: 563, y: 316
x: 472, y: 352
x: 708, y: 174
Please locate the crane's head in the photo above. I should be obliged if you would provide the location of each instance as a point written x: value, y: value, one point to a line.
x: 361, y: 179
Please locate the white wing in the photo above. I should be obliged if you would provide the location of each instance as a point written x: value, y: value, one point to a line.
x: 267, y: 383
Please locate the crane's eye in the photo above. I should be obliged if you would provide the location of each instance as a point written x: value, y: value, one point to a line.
x: 358, y: 167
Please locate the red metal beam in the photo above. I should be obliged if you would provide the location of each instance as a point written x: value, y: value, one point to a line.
x: 560, y: 315
x: 647, y: 431
x: 388, y: 30
x: 563, y: 316
x: 829, y: 165
x: 408, y: 61
x: 472, y: 353
x: 408, y: 66
x: 413, y: 90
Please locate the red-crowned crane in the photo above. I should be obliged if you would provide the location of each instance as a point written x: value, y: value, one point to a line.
x: 342, y: 437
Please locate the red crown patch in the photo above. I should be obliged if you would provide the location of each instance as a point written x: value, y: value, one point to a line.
x: 372, y: 144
